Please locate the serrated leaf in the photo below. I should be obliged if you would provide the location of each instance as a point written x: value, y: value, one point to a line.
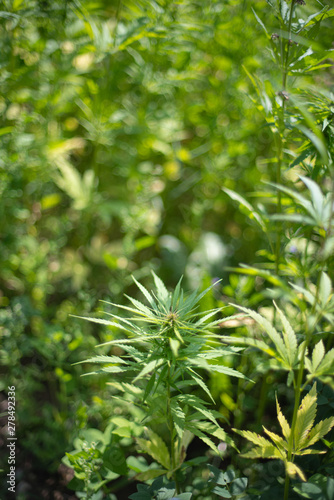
x: 268, y: 451
x: 178, y: 417
x: 278, y: 440
x: 156, y: 448
x: 176, y: 295
x: 200, y: 382
x: 141, y: 308
x: 162, y: 291
x: 305, y: 417
x: 227, y: 371
x: 109, y: 369
x: 293, y: 470
x: 102, y: 322
x: 194, y: 430
x: 283, y: 422
x: 259, y: 344
x: 289, y: 337
x: 254, y: 438
x: 326, y: 365
x: 319, y: 431
x: 197, y: 403
x: 151, y: 365
x: 103, y: 359
x: 125, y: 387
x: 325, y: 288
x: 145, y: 292
x: 271, y: 332
x: 317, y: 355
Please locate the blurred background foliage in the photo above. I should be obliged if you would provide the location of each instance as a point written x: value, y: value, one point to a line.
x: 120, y: 123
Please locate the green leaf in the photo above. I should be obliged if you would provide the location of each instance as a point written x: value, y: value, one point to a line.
x: 114, y: 460
x: 194, y: 430
x: 178, y: 416
x: 145, y: 292
x: 283, y: 422
x: 305, y: 417
x: 104, y: 359
x: 197, y: 403
x: 150, y: 474
x: 293, y: 470
x: 200, y: 382
x: 290, y: 339
x: 162, y: 291
x: 318, y: 354
x: 278, y: 440
x: 271, y: 332
x: 326, y: 365
x: 325, y: 289
x: 151, y: 365
x: 319, y: 431
x: 252, y: 213
x: 260, y: 22
x: 246, y: 341
x: 156, y: 448
x: 254, y: 438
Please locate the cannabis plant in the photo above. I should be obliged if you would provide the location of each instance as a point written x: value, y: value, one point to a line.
x: 168, y: 346
x: 304, y: 435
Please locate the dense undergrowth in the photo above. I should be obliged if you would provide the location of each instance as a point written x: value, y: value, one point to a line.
x: 190, y: 139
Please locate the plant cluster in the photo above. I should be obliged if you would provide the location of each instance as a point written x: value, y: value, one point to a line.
x: 140, y: 135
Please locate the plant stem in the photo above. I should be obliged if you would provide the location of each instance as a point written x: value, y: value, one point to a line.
x: 171, y: 430
x: 285, y: 49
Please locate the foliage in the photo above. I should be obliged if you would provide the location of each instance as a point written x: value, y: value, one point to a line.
x: 305, y: 435
x: 169, y: 344
x: 185, y: 138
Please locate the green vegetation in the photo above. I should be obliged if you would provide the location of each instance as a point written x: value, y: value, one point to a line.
x: 194, y: 140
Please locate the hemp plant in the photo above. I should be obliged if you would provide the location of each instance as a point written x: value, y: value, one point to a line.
x: 169, y: 345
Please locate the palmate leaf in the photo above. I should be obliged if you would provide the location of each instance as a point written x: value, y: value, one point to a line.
x: 304, y: 436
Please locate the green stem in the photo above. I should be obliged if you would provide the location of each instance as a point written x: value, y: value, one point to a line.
x: 171, y: 430
x: 298, y: 385
x: 285, y: 49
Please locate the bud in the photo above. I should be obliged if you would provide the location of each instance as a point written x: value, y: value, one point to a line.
x: 274, y: 37
x: 301, y: 2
